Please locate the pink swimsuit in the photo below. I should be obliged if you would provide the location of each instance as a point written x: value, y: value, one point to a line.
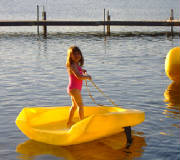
x: 75, y: 83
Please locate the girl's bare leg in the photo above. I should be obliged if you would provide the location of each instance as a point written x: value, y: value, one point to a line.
x: 72, y: 111
x: 76, y: 102
x: 81, y: 112
x: 79, y: 103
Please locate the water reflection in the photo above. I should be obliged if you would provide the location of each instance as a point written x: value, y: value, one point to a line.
x: 172, y: 97
x: 113, y: 147
x: 42, y: 47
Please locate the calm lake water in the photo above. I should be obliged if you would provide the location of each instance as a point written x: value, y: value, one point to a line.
x: 128, y: 66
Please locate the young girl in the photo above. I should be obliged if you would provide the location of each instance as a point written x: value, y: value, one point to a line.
x: 76, y: 74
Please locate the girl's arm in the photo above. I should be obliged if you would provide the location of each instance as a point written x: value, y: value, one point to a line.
x: 73, y: 69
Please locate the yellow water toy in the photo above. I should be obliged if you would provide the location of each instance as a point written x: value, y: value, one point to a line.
x: 48, y: 124
x: 172, y: 64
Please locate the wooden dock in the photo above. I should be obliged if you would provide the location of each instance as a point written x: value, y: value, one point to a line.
x: 89, y: 23
x: 106, y: 23
x: 45, y: 23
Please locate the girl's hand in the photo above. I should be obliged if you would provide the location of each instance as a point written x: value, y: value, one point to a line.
x: 84, y: 71
x: 86, y: 75
x: 89, y: 77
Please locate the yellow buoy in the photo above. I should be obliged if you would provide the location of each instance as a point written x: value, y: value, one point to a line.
x: 172, y: 64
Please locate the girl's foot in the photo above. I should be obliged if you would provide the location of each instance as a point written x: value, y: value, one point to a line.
x: 69, y: 124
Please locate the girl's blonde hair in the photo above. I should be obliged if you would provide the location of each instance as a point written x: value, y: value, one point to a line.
x: 70, y: 51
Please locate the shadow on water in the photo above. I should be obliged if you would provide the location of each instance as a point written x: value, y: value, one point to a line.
x: 172, y: 97
x: 113, y: 147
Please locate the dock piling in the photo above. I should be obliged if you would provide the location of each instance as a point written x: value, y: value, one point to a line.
x: 44, y: 19
x: 108, y: 25
x: 171, y: 19
x: 38, y: 20
x: 104, y: 22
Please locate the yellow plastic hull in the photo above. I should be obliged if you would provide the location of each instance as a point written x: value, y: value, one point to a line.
x: 48, y: 124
